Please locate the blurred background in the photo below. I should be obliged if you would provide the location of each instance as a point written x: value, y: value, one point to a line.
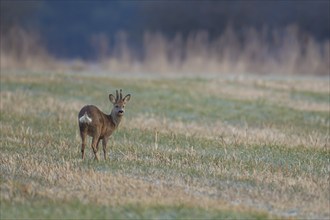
x: 265, y: 37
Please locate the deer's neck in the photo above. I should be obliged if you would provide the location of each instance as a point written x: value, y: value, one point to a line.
x: 115, y: 119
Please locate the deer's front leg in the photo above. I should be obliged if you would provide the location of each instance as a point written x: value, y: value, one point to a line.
x: 104, y: 143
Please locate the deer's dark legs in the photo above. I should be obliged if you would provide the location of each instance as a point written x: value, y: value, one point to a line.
x: 104, y: 143
x: 83, y: 144
x: 95, y: 143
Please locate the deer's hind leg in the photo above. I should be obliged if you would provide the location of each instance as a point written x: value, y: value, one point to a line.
x: 83, y: 136
x: 95, y: 145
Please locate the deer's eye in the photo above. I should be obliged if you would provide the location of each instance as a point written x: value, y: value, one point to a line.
x: 116, y: 106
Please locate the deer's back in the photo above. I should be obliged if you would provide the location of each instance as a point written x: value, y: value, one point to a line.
x: 92, y: 111
x: 98, y: 121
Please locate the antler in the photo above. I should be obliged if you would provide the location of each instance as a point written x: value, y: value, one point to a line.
x: 121, y: 95
x: 117, y: 96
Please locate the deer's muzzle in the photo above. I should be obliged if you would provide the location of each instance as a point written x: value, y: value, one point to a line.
x: 121, y: 112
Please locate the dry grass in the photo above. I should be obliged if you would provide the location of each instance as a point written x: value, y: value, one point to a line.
x: 60, y: 182
x: 229, y: 134
x: 275, y: 91
x: 202, y: 158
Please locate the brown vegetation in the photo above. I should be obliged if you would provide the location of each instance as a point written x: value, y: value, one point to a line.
x: 23, y: 49
x: 285, y: 51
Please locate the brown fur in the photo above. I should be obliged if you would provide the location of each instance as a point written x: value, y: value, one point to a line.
x: 99, y: 125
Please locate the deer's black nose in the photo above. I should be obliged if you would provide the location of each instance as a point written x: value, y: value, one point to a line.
x: 121, y: 111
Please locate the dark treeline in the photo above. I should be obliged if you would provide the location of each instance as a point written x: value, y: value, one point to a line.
x: 69, y: 28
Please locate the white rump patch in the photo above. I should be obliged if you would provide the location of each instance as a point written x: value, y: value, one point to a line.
x: 85, y: 119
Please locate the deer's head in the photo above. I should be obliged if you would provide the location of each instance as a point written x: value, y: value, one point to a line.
x: 118, y: 103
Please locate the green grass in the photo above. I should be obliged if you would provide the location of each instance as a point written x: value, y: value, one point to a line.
x: 76, y: 210
x: 224, y: 149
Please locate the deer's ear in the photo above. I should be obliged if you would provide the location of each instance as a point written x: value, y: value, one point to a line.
x: 127, y: 98
x: 112, y: 99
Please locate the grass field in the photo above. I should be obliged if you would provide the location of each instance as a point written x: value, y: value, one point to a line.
x: 227, y: 147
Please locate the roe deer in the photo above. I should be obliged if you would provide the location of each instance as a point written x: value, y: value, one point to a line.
x: 98, y: 125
